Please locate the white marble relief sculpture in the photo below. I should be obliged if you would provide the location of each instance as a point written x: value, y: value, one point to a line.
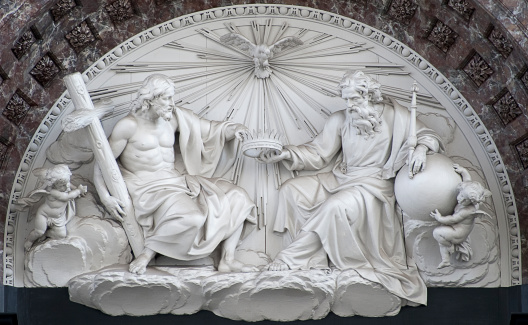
x: 346, y: 217
x: 184, y: 214
x: 452, y: 235
x: 168, y: 185
x: 58, y: 206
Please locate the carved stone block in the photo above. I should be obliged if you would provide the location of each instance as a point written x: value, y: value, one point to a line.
x: 462, y: 7
x: 45, y: 69
x: 501, y: 43
x: 23, y: 44
x: 442, y: 36
x: 402, y: 10
x: 477, y: 69
x: 120, y: 10
x: 507, y: 108
x: 62, y: 8
x: 17, y: 107
x: 82, y: 35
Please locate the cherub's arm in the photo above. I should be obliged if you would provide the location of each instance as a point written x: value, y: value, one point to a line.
x: 66, y: 196
x: 464, y: 173
x: 455, y: 218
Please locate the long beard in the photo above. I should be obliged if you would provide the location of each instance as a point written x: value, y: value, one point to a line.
x: 366, y: 120
x: 164, y: 112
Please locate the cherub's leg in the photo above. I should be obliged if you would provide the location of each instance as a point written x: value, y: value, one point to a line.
x: 57, y: 232
x: 228, y: 263
x: 139, y: 265
x: 40, y: 228
x: 442, y: 235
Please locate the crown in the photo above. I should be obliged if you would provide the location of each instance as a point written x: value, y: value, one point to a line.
x: 260, y: 141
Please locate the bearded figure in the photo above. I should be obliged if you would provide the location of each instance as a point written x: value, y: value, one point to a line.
x: 346, y: 218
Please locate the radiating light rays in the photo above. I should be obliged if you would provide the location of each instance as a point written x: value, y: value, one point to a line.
x: 217, y: 79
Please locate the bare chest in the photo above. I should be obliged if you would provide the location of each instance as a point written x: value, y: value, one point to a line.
x: 148, y: 137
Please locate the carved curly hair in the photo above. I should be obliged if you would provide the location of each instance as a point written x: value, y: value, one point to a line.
x: 154, y: 86
x: 362, y: 83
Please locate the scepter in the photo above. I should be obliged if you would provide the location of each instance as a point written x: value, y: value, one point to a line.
x: 412, y: 140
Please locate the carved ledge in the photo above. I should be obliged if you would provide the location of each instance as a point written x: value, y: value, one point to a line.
x: 239, y: 296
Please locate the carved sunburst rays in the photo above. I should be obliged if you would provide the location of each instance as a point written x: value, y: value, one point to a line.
x: 222, y: 74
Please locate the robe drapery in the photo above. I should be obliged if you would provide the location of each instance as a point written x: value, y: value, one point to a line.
x: 185, y: 214
x: 347, y: 216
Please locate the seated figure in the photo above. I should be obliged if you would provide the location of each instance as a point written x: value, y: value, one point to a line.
x: 346, y: 217
x: 184, y: 213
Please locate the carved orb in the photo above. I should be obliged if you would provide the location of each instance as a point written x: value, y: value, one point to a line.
x: 433, y: 188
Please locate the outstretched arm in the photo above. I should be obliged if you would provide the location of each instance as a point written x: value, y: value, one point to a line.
x: 453, y: 219
x: 464, y: 173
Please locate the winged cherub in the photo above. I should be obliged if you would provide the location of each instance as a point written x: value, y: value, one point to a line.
x: 261, y: 53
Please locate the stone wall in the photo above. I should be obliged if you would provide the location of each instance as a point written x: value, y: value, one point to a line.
x: 481, y: 46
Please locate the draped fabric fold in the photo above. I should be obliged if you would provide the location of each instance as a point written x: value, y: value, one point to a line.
x: 347, y: 217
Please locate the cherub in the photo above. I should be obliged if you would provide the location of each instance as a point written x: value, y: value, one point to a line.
x: 57, y: 209
x: 453, y: 234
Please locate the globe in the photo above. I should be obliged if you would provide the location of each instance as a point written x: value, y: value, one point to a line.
x: 433, y: 188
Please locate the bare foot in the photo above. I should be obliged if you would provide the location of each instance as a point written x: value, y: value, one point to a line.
x: 235, y: 266
x: 139, y: 265
x: 277, y: 266
x: 443, y: 264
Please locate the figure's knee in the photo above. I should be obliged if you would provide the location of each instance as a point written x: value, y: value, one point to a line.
x: 440, y: 235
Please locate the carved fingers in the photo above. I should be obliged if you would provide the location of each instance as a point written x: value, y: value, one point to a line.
x: 435, y: 214
x: 273, y: 156
x: 83, y: 189
x: 241, y: 133
x: 418, y: 161
x: 115, y: 207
